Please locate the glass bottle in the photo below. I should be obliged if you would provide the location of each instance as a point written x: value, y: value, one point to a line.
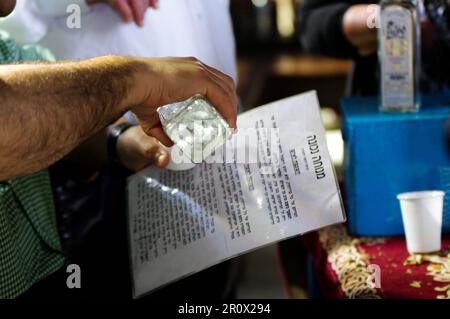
x: 195, y: 127
x: 399, y: 55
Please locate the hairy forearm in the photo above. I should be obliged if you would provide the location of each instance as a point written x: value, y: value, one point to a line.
x: 47, y: 110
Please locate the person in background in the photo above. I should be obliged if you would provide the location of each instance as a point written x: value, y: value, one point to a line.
x: 47, y: 110
x: 346, y: 29
x: 338, y: 28
x: 130, y: 10
x: 202, y: 29
x: 343, y: 29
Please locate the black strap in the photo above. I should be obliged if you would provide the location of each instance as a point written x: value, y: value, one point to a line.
x: 114, y: 134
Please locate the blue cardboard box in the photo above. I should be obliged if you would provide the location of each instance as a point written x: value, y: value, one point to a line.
x: 390, y: 153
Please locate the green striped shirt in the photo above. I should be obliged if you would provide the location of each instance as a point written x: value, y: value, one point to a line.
x: 29, y: 242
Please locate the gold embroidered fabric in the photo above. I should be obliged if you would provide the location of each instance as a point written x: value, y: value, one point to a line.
x: 348, y: 262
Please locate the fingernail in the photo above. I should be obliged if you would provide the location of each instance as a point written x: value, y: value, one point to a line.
x: 160, y: 157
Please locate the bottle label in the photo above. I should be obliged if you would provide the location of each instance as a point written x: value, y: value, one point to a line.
x: 397, y: 49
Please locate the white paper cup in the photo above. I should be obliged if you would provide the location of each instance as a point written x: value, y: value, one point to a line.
x: 422, y: 220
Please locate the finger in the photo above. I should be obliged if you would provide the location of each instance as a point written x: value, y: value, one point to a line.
x: 221, y: 99
x: 158, y: 133
x: 231, y: 94
x: 226, y: 84
x: 162, y: 158
x: 226, y: 92
x: 228, y: 80
x: 154, y: 4
x: 224, y: 77
x: 138, y: 7
x: 124, y: 9
x: 154, y: 152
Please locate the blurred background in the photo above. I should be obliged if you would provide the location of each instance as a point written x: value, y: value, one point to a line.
x: 270, y: 58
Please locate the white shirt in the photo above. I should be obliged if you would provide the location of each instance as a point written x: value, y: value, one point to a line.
x: 199, y: 28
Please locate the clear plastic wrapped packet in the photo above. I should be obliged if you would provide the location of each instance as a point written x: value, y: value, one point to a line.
x: 195, y: 127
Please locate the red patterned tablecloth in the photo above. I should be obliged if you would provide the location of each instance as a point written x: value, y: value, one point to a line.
x: 342, y: 266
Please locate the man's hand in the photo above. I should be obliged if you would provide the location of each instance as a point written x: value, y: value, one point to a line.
x: 168, y: 80
x: 130, y: 10
x: 136, y: 150
x: 49, y: 109
x: 356, y: 29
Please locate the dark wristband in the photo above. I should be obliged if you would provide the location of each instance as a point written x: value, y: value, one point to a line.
x: 113, y: 136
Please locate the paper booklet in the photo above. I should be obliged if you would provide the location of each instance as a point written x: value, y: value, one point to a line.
x: 273, y: 180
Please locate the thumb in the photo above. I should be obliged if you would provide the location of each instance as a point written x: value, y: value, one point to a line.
x: 154, y: 152
x: 162, y: 158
